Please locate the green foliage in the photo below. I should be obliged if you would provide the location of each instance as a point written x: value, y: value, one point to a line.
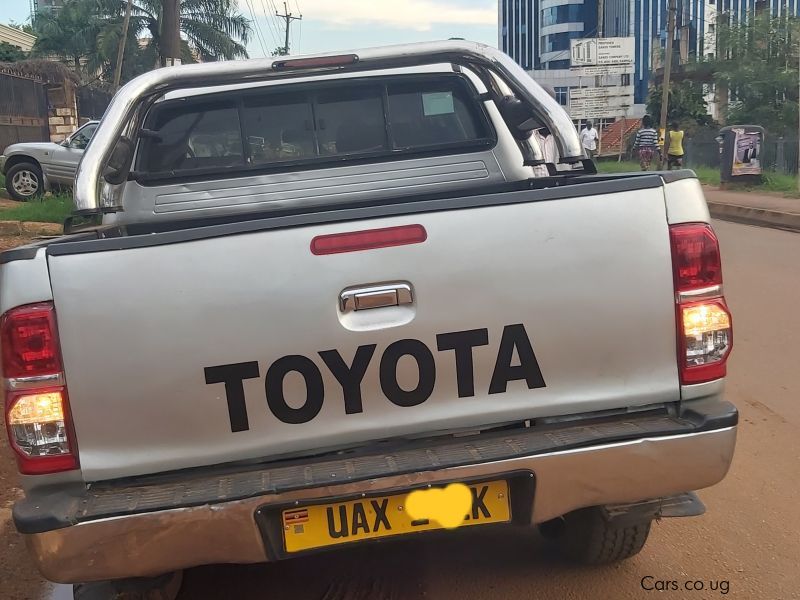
x: 9, y: 53
x: 24, y: 27
x: 686, y: 104
x: 86, y: 34
x: 280, y: 51
x: 758, y: 62
x: 52, y: 209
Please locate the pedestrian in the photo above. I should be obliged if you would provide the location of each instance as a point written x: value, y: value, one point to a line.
x: 547, y: 143
x: 675, y: 151
x: 647, y: 142
x: 589, y: 140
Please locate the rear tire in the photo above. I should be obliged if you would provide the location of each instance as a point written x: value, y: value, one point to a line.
x: 24, y: 181
x: 165, y: 587
x: 586, y: 536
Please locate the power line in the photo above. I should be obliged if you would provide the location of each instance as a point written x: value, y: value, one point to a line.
x: 256, y: 27
x: 274, y: 27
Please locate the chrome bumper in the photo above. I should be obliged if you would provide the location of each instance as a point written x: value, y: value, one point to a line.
x: 152, y: 543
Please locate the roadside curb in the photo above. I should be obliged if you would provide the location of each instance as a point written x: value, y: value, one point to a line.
x: 30, y: 228
x: 755, y: 216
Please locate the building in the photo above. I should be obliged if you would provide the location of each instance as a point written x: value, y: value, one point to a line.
x: 16, y: 37
x: 537, y: 34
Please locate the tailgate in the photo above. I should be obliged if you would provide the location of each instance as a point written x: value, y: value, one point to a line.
x: 219, y: 349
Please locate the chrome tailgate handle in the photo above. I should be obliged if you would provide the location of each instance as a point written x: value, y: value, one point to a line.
x: 377, y: 296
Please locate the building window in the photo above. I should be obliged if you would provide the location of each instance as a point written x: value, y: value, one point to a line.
x: 567, y: 13
x: 562, y: 95
x: 557, y: 64
x: 558, y: 41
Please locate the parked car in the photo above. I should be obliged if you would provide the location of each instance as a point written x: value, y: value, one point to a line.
x: 31, y: 168
x: 318, y: 285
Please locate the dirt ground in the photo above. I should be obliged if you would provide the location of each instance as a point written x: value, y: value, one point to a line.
x: 18, y: 579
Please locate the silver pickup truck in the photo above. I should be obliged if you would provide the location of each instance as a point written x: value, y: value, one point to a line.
x: 307, y: 287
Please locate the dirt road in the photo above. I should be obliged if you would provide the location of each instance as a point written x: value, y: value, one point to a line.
x: 746, y: 546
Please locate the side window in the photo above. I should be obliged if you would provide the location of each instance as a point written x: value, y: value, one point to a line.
x: 80, y: 139
x: 195, y: 137
x: 279, y: 127
x: 430, y: 113
x: 350, y: 121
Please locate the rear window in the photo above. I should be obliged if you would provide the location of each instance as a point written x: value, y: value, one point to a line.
x: 276, y: 129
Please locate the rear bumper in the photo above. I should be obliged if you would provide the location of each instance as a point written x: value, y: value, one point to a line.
x: 150, y: 528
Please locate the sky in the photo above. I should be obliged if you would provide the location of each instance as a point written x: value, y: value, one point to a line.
x: 330, y: 25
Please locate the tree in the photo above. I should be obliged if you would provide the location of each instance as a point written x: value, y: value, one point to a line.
x: 71, y: 34
x: 86, y: 34
x: 757, y: 61
x: 9, y: 53
x: 214, y: 29
x: 687, y: 103
x: 280, y: 51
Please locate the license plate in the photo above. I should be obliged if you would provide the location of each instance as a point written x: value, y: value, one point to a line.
x: 336, y: 523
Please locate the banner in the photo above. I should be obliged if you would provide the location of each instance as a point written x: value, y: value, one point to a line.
x: 746, y: 153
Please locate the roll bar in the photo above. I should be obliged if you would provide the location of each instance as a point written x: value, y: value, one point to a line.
x: 122, y: 111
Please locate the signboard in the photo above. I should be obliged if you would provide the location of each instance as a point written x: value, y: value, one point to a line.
x: 600, y: 92
x: 610, y: 102
x: 592, y: 71
x: 602, y: 51
x: 598, y: 113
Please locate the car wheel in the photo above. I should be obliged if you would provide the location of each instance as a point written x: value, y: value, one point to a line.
x: 24, y: 181
x: 165, y: 587
x: 588, y: 537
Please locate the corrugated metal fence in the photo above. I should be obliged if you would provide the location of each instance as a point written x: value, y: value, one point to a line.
x: 23, y: 110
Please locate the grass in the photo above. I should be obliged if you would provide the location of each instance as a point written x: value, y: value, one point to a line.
x: 773, y: 182
x: 52, y: 209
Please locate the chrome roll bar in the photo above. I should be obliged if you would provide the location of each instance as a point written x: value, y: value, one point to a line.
x: 122, y: 111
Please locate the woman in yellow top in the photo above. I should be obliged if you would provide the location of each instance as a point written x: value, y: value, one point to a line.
x: 675, y: 152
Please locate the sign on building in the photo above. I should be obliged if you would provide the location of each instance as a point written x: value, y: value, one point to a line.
x: 589, y: 52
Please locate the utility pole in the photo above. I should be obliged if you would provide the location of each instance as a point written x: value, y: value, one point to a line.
x: 600, y: 18
x: 665, y: 83
x: 288, y: 18
x: 121, y: 50
x: 170, y: 33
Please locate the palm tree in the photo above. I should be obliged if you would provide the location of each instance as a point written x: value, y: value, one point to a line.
x: 214, y: 29
x: 86, y: 34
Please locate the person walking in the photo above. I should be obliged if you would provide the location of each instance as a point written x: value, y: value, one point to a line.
x: 589, y: 140
x: 675, y: 150
x: 646, y: 142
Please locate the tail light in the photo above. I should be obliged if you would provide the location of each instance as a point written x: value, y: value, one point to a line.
x: 705, y: 332
x: 36, y: 404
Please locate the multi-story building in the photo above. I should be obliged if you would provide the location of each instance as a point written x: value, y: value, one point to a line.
x: 537, y: 34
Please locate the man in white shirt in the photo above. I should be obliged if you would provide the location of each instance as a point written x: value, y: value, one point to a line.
x: 589, y: 140
x: 547, y: 142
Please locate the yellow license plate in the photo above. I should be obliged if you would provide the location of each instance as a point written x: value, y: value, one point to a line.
x: 370, y: 518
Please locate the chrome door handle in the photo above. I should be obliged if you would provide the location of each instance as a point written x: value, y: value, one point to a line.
x: 377, y: 296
